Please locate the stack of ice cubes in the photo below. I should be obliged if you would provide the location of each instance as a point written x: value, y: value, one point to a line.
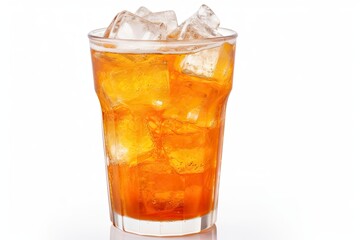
x: 147, y: 25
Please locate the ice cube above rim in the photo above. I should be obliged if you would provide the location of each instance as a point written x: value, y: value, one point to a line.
x: 167, y: 17
x: 127, y: 25
x: 163, y: 25
x: 203, y: 24
x: 142, y: 11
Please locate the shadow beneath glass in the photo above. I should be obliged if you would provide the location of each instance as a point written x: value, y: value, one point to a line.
x: 117, y: 234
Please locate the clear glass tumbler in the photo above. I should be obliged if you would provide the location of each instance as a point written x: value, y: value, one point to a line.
x: 163, y: 107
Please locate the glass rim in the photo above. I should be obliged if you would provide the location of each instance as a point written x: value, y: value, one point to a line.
x: 99, y: 43
x: 231, y: 34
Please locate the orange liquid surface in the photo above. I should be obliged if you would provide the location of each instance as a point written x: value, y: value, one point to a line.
x: 163, y: 127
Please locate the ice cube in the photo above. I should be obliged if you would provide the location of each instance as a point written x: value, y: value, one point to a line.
x: 188, y: 160
x: 127, y: 139
x: 162, y: 188
x: 142, y: 11
x: 203, y: 24
x: 215, y: 63
x: 193, y: 100
x: 130, y: 26
x: 131, y: 79
x: 162, y: 202
x: 187, y: 147
x: 166, y: 17
x: 208, y: 16
x: 202, y: 63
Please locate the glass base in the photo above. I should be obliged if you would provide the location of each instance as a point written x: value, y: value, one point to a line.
x: 164, y: 228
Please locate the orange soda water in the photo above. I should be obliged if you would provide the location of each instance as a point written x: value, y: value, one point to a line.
x: 163, y: 123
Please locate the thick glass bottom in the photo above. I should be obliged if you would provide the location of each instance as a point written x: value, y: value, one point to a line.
x: 164, y: 228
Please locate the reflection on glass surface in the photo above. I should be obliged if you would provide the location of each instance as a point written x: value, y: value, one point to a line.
x: 116, y: 234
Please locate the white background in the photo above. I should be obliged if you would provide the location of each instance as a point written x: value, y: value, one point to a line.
x: 292, y: 141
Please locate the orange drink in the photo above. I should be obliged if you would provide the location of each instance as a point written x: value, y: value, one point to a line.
x: 163, y: 107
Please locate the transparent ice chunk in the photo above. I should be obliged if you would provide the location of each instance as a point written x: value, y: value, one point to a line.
x: 142, y: 11
x: 187, y: 147
x: 195, y: 101
x: 201, y: 63
x: 215, y: 63
x: 131, y: 79
x: 127, y: 139
x: 162, y: 189
x: 206, y: 15
x: 203, y: 24
x: 166, y: 17
x: 126, y: 25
